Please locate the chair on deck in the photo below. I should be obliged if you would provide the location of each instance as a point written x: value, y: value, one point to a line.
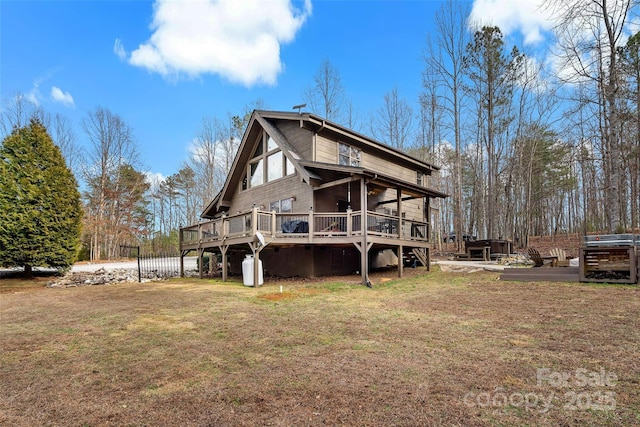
x: 539, y: 260
x: 561, y: 257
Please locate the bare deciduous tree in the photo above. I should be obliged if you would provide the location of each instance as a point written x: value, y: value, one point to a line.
x: 443, y: 70
x: 111, y: 149
x: 16, y: 112
x: 203, y: 160
x: 326, y: 95
x: 393, y: 123
x: 66, y: 139
x: 589, y: 35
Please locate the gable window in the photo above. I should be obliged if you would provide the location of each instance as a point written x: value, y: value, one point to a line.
x: 268, y: 163
x: 257, y: 173
x: 275, y: 166
x: 348, y: 155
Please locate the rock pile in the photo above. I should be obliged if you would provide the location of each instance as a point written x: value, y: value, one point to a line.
x: 104, y: 277
x: 98, y: 277
x: 515, y: 259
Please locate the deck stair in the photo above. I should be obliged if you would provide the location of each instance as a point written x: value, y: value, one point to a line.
x: 414, y: 256
x: 421, y: 256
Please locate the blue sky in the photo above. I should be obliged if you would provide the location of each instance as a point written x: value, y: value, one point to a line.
x: 162, y: 79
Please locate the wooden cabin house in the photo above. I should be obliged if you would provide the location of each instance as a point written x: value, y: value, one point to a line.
x: 311, y: 198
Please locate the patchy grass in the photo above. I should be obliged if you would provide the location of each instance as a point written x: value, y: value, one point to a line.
x: 434, y: 349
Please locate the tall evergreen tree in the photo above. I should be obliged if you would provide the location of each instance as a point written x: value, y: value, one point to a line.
x: 40, y: 209
x: 493, y: 73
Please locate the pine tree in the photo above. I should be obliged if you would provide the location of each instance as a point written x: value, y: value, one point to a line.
x: 40, y: 208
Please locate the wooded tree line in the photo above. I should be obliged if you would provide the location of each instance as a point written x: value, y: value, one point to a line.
x: 523, y: 151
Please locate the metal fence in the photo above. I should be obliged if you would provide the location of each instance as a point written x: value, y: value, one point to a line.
x: 153, y: 265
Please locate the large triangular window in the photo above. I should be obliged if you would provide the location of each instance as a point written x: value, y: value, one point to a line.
x: 268, y: 163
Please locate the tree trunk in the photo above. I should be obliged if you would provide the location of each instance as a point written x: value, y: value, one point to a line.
x: 28, y: 271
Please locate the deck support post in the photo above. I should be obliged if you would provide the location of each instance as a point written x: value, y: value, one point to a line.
x: 225, y: 270
x: 364, y: 252
x: 255, y: 249
x: 181, y: 253
x: 400, y: 225
x: 200, y: 253
x: 256, y: 265
x: 310, y: 225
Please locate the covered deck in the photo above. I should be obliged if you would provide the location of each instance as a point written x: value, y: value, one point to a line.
x: 255, y: 229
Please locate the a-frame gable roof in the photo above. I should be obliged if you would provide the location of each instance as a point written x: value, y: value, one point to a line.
x: 257, y: 123
x: 267, y: 121
x: 283, y: 144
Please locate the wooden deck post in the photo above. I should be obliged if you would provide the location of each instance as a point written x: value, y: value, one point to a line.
x: 364, y: 252
x: 273, y: 224
x: 310, y: 222
x: 223, y: 226
x: 181, y: 253
x: 256, y: 265
x: 254, y: 246
x: 254, y: 221
x: 223, y: 251
x: 400, y: 248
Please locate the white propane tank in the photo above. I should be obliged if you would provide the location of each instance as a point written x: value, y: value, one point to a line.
x: 247, y: 271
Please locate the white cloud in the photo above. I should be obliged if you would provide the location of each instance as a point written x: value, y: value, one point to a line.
x: 154, y: 179
x: 118, y: 49
x: 33, y: 96
x: 62, y: 97
x: 525, y: 16
x: 238, y: 40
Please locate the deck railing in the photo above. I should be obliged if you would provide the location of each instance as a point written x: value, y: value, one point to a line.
x: 310, y: 225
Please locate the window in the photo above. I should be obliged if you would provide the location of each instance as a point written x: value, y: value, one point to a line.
x: 348, y: 155
x: 271, y: 144
x: 420, y: 178
x: 275, y: 166
x: 284, y: 205
x: 290, y: 169
x: 257, y: 175
x: 267, y: 164
x: 259, y: 151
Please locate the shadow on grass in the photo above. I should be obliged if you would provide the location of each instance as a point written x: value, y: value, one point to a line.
x: 16, y: 280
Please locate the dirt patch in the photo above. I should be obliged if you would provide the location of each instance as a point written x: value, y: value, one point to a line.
x: 286, y: 295
x: 279, y: 296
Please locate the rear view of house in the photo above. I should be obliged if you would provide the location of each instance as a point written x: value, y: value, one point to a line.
x: 312, y: 198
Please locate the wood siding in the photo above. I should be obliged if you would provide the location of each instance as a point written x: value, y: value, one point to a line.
x: 299, y: 138
x: 262, y: 195
x: 326, y: 150
x: 385, y: 166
